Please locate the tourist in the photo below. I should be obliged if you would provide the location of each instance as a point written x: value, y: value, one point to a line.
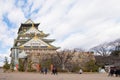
x: 51, y: 68
x: 117, y: 72
x: 45, y: 70
x: 54, y: 71
x: 111, y: 73
x: 80, y: 71
x: 42, y: 71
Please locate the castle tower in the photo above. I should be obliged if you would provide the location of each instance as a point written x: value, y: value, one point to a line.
x: 31, y: 43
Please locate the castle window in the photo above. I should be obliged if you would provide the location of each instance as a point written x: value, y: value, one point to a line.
x: 43, y: 46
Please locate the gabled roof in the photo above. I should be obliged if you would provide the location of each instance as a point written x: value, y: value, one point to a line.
x: 28, y: 24
x: 35, y: 41
x: 32, y: 30
x: 29, y: 21
x: 35, y: 31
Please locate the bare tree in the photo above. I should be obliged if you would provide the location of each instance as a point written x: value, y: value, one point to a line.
x: 102, y: 49
x: 79, y: 50
x: 65, y: 56
x: 108, y: 53
x: 114, y: 44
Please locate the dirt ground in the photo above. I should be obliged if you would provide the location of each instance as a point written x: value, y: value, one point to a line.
x: 60, y: 76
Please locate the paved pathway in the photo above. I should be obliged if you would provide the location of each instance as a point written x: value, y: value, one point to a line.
x: 60, y: 76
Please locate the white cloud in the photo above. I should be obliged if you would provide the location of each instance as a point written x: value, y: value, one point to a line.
x: 16, y: 16
x: 96, y: 20
x: 10, y: 16
x: 75, y: 40
x: 20, y: 3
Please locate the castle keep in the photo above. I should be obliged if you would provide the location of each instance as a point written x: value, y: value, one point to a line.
x: 30, y: 45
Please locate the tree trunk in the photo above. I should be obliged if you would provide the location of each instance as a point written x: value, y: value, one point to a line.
x: 63, y: 66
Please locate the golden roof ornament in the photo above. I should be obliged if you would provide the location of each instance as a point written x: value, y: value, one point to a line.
x: 21, y: 46
x: 35, y: 37
x: 33, y: 25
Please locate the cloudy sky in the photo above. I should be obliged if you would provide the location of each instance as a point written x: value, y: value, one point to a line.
x: 73, y: 23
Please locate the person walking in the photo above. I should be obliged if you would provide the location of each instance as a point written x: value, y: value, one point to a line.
x: 80, y: 71
x: 45, y: 71
x: 112, y: 72
x: 56, y: 72
x: 42, y: 70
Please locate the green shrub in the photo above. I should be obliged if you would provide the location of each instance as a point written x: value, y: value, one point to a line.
x: 91, y: 66
x: 6, y: 66
x: 21, y: 66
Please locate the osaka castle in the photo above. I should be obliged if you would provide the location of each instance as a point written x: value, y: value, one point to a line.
x: 31, y: 45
